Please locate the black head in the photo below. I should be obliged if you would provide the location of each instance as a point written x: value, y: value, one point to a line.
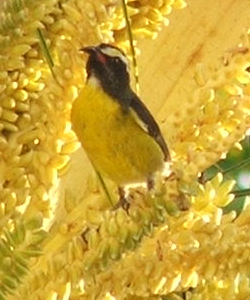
x: 109, y: 65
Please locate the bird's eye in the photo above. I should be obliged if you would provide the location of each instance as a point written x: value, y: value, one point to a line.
x: 116, y: 60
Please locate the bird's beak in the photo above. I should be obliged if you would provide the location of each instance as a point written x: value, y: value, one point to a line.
x: 89, y: 49
x: 95, y: 52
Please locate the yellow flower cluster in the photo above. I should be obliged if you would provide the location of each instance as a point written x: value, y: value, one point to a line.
x: 90, y: 251
x: 190, y: 249
x: 221, y: 116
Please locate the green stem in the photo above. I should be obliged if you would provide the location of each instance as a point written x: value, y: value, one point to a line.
x: 105, y: 189
x: 131, y: 39
x: 241, y: 193
x: 46, y: 52
x: 241, y: 164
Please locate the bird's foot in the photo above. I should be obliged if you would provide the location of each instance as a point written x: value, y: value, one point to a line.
x: 123, y: 200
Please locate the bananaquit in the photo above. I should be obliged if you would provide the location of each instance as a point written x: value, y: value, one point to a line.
x: 117, y: 131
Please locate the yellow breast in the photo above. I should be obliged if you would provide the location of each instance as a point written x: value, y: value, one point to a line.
x: 114, y: 142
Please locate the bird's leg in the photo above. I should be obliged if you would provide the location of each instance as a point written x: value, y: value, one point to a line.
x: 122, y: 199
x: 150, y: 183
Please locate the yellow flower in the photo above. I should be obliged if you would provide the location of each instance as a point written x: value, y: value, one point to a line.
x: 59, y: 237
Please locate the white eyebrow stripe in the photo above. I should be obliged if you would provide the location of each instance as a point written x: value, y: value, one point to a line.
x: 115, y: 53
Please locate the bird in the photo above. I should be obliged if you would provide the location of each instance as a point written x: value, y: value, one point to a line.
x: 117, y: 131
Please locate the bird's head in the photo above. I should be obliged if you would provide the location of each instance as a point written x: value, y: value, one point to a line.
x: 109, y: 66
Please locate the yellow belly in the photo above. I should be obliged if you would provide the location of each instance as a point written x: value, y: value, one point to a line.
x: 115, y: 144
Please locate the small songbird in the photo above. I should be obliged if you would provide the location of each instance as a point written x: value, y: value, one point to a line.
x: 117, y: 131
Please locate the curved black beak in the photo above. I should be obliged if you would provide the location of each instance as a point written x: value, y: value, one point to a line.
x: 89, y: 49
x: 95, y: 51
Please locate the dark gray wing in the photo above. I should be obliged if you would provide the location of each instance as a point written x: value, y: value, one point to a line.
x: 149, y: 124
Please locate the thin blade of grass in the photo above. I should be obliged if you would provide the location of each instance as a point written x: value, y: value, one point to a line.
x: 46, y: 52
x: 132, y: 48
x: 105, y: 189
